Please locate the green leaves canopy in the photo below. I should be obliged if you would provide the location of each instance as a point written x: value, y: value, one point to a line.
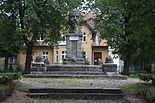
x: 117, y: 17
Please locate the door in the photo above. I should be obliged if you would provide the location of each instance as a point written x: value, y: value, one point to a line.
x: 97, y: 55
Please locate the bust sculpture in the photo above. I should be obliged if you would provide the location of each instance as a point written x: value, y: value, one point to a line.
x: 39, y: 59
x: 74, y: 21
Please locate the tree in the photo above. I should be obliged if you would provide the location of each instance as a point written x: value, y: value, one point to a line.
x: 37, y: 18
x: 128, y: 26
x: 9, y: 40
x: 110, y: 22
x: 142, y: 27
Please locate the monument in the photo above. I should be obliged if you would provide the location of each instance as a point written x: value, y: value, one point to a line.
x: 109, y: 68
x: 74, y: 40
x: 74, y: 65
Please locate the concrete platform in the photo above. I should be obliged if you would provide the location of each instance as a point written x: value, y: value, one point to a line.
x: 73, y: 71
x: 117, y: 77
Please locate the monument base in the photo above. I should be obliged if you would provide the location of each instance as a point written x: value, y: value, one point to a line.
x: 72, y: 71
x: 74, y: 61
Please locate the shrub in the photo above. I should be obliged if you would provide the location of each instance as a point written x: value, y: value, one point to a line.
x: 145, y: 77
x: 8, y: 77
x: 145, y: 90
x: 16, y: 76
x: 5, y: 79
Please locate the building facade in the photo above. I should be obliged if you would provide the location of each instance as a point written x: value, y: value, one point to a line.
x: 93, y: 49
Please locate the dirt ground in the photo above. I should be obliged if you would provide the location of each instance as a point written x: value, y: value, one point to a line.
x: 17, y: 97
x: 20, y: 97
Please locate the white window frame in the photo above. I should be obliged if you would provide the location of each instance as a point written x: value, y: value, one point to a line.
x: 64, y: 37
x: 56, y: 56
x: 45, y: 55
x: 14, y: 59
x: 63, y: 55
x: 84, y: 36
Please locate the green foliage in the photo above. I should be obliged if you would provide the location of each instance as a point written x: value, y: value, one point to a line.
x: 6, y: 78
x: 10, y: 39
x: 135, y: 76
x: 39, y: 18
x: 146, y: 90
x: 128, y: 25
x: 16, y: 76
x: 21, y: 86
x: 145, y: 77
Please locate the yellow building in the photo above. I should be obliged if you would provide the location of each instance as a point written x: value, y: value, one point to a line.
x: 94, y: 48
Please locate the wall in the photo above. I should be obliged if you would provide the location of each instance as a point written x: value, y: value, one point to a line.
x: 87, y: 45
x: 39, y: 50
x: 1, y: 60
x: 59, y: 49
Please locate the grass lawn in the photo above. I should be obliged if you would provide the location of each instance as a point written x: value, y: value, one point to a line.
x: 61, y: 81
x: 21, y: 86
x: 134, y: 77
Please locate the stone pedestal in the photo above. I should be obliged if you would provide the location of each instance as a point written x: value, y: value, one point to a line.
x: 38, y: 66
x: 74, y: 51
x: 109, y: 68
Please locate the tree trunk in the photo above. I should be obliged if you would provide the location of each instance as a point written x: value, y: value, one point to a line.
x: 147, y: 65
x: 127, y: 59
x: 28, y: 58
x: 126, y: 67
x: 6, y: 63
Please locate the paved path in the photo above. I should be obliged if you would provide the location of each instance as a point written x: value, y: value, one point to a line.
x: 20, y: 97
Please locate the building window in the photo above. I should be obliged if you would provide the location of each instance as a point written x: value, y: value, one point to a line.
x: 84, y: 54
x: 63, y: 55
x: 84, y: 36
x: 13, y: 59
x: 64, y: 37
x: 41, y: 38
x: 45, y: 55
x: 56, y: 58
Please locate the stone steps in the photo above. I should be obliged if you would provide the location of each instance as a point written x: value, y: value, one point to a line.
x: 73, y: 68
x: 70, y: 72
x: 76, y: 90
x: 76, y: 93
x: 117, y: 77
x: 73, y: 71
